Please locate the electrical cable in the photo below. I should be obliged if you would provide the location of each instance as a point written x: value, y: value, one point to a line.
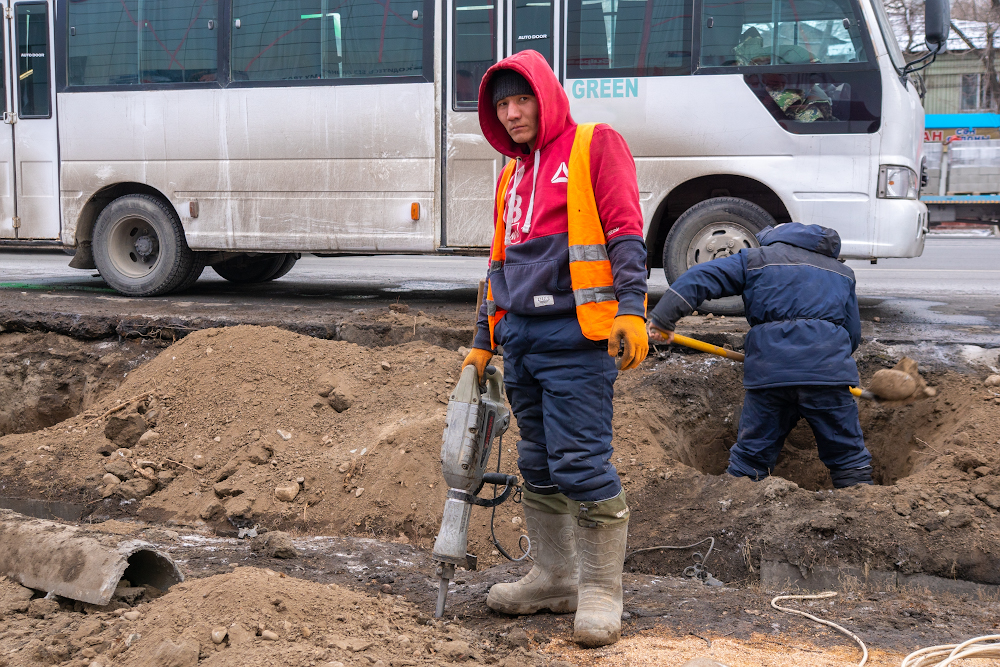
x: 820, y: 596
x: 493, y: 516
x: 947, y: 654
x: 698, y: 569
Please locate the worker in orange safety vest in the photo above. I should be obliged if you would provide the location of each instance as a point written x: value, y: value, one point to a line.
x: 566, y: 295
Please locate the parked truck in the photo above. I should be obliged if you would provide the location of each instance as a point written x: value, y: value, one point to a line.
x: 961, y: 169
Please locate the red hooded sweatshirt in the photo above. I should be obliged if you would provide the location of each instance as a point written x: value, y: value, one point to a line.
x: 535, y: 278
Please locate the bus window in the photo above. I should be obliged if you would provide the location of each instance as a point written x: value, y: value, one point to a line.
x: 33, y: 60
x: 475, y: 39
x: 633, y: 37
x: 533, y: 27
x: 322, y: 39
x: 780, y: 32
x: 130, y: 42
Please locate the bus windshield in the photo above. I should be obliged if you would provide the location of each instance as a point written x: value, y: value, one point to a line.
x: 892, y: 44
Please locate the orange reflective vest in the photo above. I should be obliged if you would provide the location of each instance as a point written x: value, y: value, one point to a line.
x: 589, y: 266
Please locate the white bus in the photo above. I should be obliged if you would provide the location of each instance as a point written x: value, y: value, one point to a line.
x: 155, y: 137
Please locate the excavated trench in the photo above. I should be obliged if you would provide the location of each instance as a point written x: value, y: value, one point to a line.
x: 46, y: 378
x: 697, y: 424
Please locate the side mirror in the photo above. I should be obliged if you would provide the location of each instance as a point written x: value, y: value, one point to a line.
x: 937, y: 22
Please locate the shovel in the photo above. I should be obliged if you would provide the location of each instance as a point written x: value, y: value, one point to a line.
x: 901, y: 383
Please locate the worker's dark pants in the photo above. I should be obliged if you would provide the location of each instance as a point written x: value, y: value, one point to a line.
x: 769, y: 415
x: 560, y: 386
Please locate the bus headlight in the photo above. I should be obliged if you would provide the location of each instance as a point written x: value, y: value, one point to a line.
x: 897, y: 182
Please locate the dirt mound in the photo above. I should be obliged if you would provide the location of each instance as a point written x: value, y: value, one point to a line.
x: 247, y: 617
x: 245, y: 426
x: 259, y: 426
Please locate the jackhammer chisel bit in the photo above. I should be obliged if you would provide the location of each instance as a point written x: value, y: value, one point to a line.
x: 476, y: 415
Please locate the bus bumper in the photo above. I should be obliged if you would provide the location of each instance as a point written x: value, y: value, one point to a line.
x: 900, y: 228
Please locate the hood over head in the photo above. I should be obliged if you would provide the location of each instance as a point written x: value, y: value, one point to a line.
x: 823, y: 240
x: 553, y: 104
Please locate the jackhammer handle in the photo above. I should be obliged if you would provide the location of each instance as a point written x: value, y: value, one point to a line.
x: 707, y: 347
x: 499, y: 478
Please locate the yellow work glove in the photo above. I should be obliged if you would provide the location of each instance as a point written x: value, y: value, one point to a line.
x: 630, y: 330
x: 478, y: 358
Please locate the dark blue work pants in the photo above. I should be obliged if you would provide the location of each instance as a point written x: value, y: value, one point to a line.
x: 769, y: 415
x: 560, y: 386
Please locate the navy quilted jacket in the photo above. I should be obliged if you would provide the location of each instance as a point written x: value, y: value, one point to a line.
x: 799, y: 301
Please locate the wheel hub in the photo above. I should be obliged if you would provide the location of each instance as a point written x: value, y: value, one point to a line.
x: 719, y: 240
x: 145, y: 246
x: 133, y: 247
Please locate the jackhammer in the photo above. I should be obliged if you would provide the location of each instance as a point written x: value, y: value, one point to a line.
x: 476, y: 415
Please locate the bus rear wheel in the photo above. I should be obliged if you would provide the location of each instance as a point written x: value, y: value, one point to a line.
x: 247, y: 269
x: 713, y: 229
x: 140, y: 248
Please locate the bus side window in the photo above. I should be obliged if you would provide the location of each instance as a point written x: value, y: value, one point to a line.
x: 33, y: 60
x: 475, y: 41
x: 634, y: 37
x: 322, y: 39
x: 130, y: 42
x: 779, y: 32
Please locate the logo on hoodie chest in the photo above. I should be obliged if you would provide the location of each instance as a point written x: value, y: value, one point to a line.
x: 561, y: 175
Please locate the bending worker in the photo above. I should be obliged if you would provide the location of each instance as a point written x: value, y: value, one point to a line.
x: 566, y: 289
x: 804, y: 320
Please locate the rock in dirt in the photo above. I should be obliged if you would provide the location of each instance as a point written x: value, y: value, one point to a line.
x: 275, y: 544
x: 702, y: 662
x: 109, y: 479
x: 219, y: 635
x: 517, y: 637
x: 131, y: 615
x: 454, y: 651
x: 199, y: 461
x: 340, y: 400
x: 285, y: 435
x: 268, y: 635
x: 119, y: 467
x: 286, y: 492
x: 125, y: 431
x: 40, y: 607
x: 149, y: 437
x: 168, y: 654
x: 892, y: 385
x: 136, y: 489
x: 212, y: 511
x: 992, y: 381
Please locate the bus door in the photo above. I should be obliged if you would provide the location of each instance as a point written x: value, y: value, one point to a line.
x: 29, y: 151
x: 479, y: 33
x: 471, y: 164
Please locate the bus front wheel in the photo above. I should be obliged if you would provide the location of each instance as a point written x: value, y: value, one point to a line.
x: 247, y: 269
x: 713, y: 229
x: 140, y: 248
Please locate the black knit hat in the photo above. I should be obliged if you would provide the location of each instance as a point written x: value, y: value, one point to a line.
x: 507, y: 82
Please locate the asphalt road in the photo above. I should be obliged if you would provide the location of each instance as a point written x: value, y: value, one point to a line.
x: 950, y: 294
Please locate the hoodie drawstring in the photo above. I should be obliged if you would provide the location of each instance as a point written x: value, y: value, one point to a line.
x: 531, y: 202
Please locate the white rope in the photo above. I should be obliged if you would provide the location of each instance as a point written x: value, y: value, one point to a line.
x: 820, y: 596
x: 948, y: 654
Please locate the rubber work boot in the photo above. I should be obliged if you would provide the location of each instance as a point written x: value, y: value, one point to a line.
x: 551, y: 583
x: 602, y: 554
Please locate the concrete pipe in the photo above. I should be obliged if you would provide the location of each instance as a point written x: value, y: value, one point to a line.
x: 78, y: 564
